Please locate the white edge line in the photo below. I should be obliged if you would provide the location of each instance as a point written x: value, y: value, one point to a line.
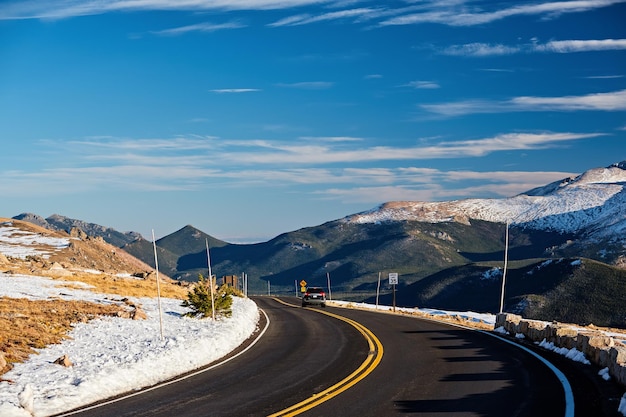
x: 163, y: 384
x: 569, y: 395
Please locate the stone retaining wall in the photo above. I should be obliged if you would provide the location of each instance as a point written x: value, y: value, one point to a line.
x: 598, y: 347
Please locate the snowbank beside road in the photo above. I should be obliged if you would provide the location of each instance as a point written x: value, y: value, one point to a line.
x: 114, y: 355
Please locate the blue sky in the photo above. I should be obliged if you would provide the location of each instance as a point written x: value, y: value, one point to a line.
x: 251, y: 118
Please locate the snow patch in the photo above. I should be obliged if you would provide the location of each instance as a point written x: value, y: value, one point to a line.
x: 114, y: 355
x: 18, y: 243
x: 572, y: 354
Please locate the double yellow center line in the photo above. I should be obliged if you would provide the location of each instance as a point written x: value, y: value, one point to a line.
x: 374, y: 357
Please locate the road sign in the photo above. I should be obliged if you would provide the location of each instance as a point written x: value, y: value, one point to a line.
x: 303, y: 283
x: 393, y: 281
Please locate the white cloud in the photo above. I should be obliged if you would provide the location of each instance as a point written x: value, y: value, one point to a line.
x: 568, y: 46
x: 308, y: 85
x: 200, y: 27
x: 197, y: 151
x: 452, y: 12
x: 613, y: 101
x: 234, y: 90
x: 462, y: 15
x: 305, y: 19
x: 426, y: 184
x: 331, y: 138
x: 496, y: 70
x: 480, y: 49
x: 604, y: 77
x: 564, y: 46
x: 381, y: 194
x: 423, y: 85
x: 192, y: 163
x: 61, y: 9
x: 291, y: 20
x: 278, y: 153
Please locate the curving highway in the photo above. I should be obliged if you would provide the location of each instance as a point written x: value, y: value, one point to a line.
x: 334, y: 368
x: 433, y: 369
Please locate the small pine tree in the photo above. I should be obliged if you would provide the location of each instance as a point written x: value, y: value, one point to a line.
x: 224, y: 301
x: 200, y: 303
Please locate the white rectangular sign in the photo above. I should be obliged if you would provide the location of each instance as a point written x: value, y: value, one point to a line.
x: 393, y: 278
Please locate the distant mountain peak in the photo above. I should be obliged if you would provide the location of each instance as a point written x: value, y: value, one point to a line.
x: 593, y: 202
x: 34, y: 219
x: 612, y: 174
x: 59, y: 222
x: 621, y: 165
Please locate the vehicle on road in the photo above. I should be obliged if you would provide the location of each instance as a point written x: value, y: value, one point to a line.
x: 314, y: 296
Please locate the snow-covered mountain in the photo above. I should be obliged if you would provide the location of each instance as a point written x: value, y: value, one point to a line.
x: 592, y: 205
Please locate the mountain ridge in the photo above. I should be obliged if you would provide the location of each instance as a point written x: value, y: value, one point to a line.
x: 580, y: 217
x: 587, y: 191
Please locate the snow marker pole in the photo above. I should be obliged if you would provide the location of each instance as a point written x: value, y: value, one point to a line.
x: 208, y: 259
x: 156, y: 264
x: 506, y: 257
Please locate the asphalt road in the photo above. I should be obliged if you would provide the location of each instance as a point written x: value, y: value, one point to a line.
x: 433, y: 369
x: 301, y: 354
x: 427, y: 369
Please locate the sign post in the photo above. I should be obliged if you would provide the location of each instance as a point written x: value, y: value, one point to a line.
x: 303, y: 286
x: 393, y: 281
x: 377, y: 290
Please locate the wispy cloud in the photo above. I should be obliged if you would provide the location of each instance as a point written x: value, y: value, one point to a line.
x: 308, y: 85
x: 334, y: 139
x: 424, y: 184
x: 496, y: 70
x: 62, y: 9
x: 267, y: 152
x: 423, y: 85
x: 568, y: 46
x: 613, y: 101
x: 480, y: 49
x: 234, y: 90
x: 200, y: 27
x: 562, y: 47
x: 380, y: 194
x: 459, y: 14
x: 305, y: 19
x: 189, y: 151
x: 198, y: 162
x: 604, y: 77
x: 451, y: 12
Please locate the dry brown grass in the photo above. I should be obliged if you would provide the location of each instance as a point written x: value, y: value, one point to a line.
x: 131, y: 287
x: 26, y: 325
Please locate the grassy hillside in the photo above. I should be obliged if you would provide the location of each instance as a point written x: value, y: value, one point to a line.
x: 188, y: 240
x: 592, y: 293
x: 566, y: 290
x: 354, y: 254
x: 445, y: 265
